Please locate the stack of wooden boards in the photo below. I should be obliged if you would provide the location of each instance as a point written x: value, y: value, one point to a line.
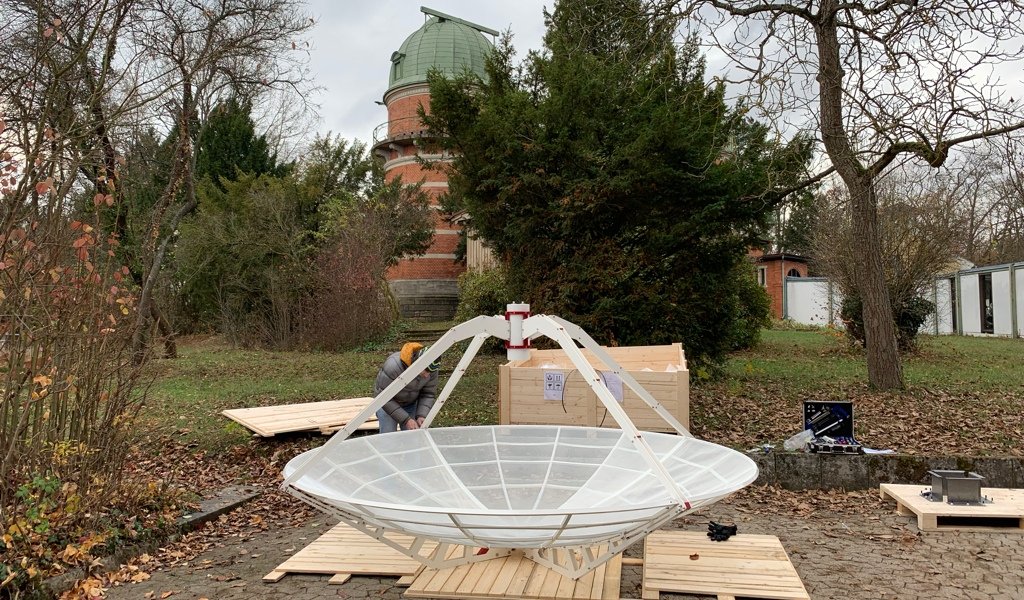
x: 326, y: 417
x: 754, y: 566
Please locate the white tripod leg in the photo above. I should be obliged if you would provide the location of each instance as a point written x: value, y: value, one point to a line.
x: 460, y: 370
x: 494, y: 326
x: 557, y: 331
x: 577, y: 333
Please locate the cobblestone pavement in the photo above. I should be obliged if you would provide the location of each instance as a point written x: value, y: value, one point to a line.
x: 875, y: 555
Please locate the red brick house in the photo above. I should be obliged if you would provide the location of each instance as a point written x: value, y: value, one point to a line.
x: 771, y: 271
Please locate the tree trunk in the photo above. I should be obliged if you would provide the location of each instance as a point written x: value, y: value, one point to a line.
x: 884, y: 369
x: 179, y: 180
x: 165, y: 329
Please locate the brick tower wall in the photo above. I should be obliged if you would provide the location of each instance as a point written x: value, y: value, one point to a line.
x: 425, y: 286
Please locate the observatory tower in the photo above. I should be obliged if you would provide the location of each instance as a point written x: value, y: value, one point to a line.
x: 425, y: 285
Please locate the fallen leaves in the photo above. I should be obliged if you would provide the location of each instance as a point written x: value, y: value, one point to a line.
x: 180, y: 464
x: 925, y: 421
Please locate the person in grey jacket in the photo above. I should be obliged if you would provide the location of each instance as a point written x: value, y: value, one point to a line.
x: 413, y: 402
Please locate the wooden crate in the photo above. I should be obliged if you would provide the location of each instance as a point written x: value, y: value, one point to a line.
x: 516, y: 577
x: 661, y: 370
x: 1004, y: 514
x: 744, y: 566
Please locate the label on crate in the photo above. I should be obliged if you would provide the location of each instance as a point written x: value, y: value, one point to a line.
x: 614, y: 384
x: 554, y: 385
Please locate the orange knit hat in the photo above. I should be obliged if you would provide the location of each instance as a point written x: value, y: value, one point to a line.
x: 409, y: 351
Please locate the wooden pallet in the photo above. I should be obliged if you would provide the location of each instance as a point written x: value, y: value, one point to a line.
x: 344, y: 551
x: 327, y: 416
x: 516, y: 577
x: 744, y: 566
x: 1005, y: 513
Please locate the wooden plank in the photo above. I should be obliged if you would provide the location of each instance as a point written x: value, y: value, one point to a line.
x: 612, y: 585
x: 585, y: 584
x: 1005, y: 512
x: 504, y: 394
x: 549, y: 585
x: 524, y: 572
x: 327, y: 416
x: 566, y: 588
x: 492, y: 569
x: 451, y: 585
x: 504, y: 577
x: 343, y: 550
x: 472, y: 578
x: 747, y: 566
x: 435, y: 581
x: 339, y: 578
x: 516, y: 577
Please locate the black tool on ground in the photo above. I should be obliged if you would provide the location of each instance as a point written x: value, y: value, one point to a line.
x: 720, y: 532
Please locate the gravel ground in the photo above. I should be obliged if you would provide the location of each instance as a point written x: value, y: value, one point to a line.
x: 844, y: 546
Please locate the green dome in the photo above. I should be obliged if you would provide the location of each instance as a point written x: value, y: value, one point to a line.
x: 446, y: 43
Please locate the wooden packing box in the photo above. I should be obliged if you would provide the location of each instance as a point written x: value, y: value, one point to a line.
x: 661, y: 370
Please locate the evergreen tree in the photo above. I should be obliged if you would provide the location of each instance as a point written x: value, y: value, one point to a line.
x: 619, y: 189
x: 228, y: 145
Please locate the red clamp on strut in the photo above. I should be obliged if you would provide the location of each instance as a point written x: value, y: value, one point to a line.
x: 526, y: 341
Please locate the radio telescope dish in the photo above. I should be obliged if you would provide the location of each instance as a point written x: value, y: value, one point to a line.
x: 569, y: 498
x: 519, y: 486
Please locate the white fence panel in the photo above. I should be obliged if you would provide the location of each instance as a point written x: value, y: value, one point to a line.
x: 970, y: 304
x: 1019, y: 277
x: 1002, y: 317
x: 807, y: 301
x: 941, y: 321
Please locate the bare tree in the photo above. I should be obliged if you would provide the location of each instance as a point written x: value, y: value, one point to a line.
x: 1006, y: 242
x: 981, y: 191
x: 880, y: 81
x: 69, y: 391
x: 919, y: 231
x: 200, y: 52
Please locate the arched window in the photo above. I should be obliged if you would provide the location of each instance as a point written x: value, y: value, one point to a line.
x: 793, y: 273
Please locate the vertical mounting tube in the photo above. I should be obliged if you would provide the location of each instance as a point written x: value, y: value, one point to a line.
x: 517, y: 348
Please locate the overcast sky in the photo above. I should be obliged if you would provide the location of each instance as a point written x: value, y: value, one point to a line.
x: 353, y: 41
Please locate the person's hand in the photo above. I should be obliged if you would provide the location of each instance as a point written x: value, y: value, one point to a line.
x: 419, y: 422
x: 412, y: 424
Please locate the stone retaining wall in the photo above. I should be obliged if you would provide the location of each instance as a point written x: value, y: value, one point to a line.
x: 801, y: 471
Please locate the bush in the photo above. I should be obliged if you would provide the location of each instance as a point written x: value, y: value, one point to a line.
x: 753, y: 310
x: 483, y: 293
x: 351, y: 302
x: 909, y: 315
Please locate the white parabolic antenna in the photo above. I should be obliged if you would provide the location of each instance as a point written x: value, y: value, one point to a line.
x: 568, y: 497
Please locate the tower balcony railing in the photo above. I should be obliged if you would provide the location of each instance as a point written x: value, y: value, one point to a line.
x: 401, y: 128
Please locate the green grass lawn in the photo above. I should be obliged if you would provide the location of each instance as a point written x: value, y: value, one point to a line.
x: 188, y: 393
x: 964, y: 393
x: 815, y: 361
